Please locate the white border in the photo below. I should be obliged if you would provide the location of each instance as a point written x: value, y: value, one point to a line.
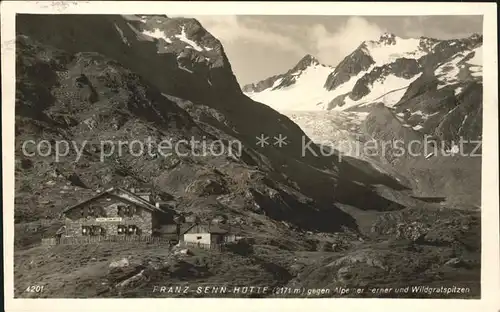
x: 490, y: 274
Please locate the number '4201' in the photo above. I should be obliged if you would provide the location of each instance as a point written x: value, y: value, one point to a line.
x: 34, y: 288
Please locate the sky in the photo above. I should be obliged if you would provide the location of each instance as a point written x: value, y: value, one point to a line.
x: 262, y: 46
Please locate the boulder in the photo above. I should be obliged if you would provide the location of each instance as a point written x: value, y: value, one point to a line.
x: 295, y: 269
x: 132, y: 280
x: 361, y: 256
x: 184, y: 251
x: 456, y: 263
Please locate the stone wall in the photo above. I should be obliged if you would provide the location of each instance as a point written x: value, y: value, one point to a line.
x: 107, y: 207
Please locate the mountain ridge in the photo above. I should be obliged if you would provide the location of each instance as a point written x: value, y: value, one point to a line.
x: 316, y: 221
x: 361, y: 72
x: 431, y: 87
x: 283, y: 80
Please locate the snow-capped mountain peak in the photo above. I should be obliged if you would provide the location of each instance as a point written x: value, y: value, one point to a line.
x: 184, y: 45
x: 306, y: 61
x: 295, y: 89
x: 379, y: 70
x: 390, y: 47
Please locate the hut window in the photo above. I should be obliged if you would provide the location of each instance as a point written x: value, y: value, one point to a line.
x: 132, y: 229
x: 128, y: 229
x: 198, y: 237
x: 92, y: 230
x: 86, y: 230
x: 122, y: 229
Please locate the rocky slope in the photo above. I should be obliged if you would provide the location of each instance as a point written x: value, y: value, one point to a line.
x: 89, y: 97
x: 428, y: 162
x: 121, y: 78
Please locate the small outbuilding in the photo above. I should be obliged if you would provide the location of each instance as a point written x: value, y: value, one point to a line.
x: 206, y: 235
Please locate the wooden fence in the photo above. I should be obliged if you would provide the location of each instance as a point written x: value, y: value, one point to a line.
x: 47, y: 242
x: 218, y: 247
x: 109, y: 239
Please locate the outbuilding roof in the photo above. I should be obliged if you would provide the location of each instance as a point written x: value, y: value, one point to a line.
x: 208, y: 228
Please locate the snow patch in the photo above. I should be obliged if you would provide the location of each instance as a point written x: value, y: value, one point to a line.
x: 477, y: 59
x: 185, y: 69
x: 476, y: 62
x: 384, y: 54
x: 185, y: 39
x: 276, y: 83
x: 157, y: 33
x: 423, y: 115
x: 303, y: 95
x: 447, y: 73
x: 389, y: 91
x: 463, y: 123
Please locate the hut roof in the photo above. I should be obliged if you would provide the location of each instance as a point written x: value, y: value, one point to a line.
x: 121, y: 193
